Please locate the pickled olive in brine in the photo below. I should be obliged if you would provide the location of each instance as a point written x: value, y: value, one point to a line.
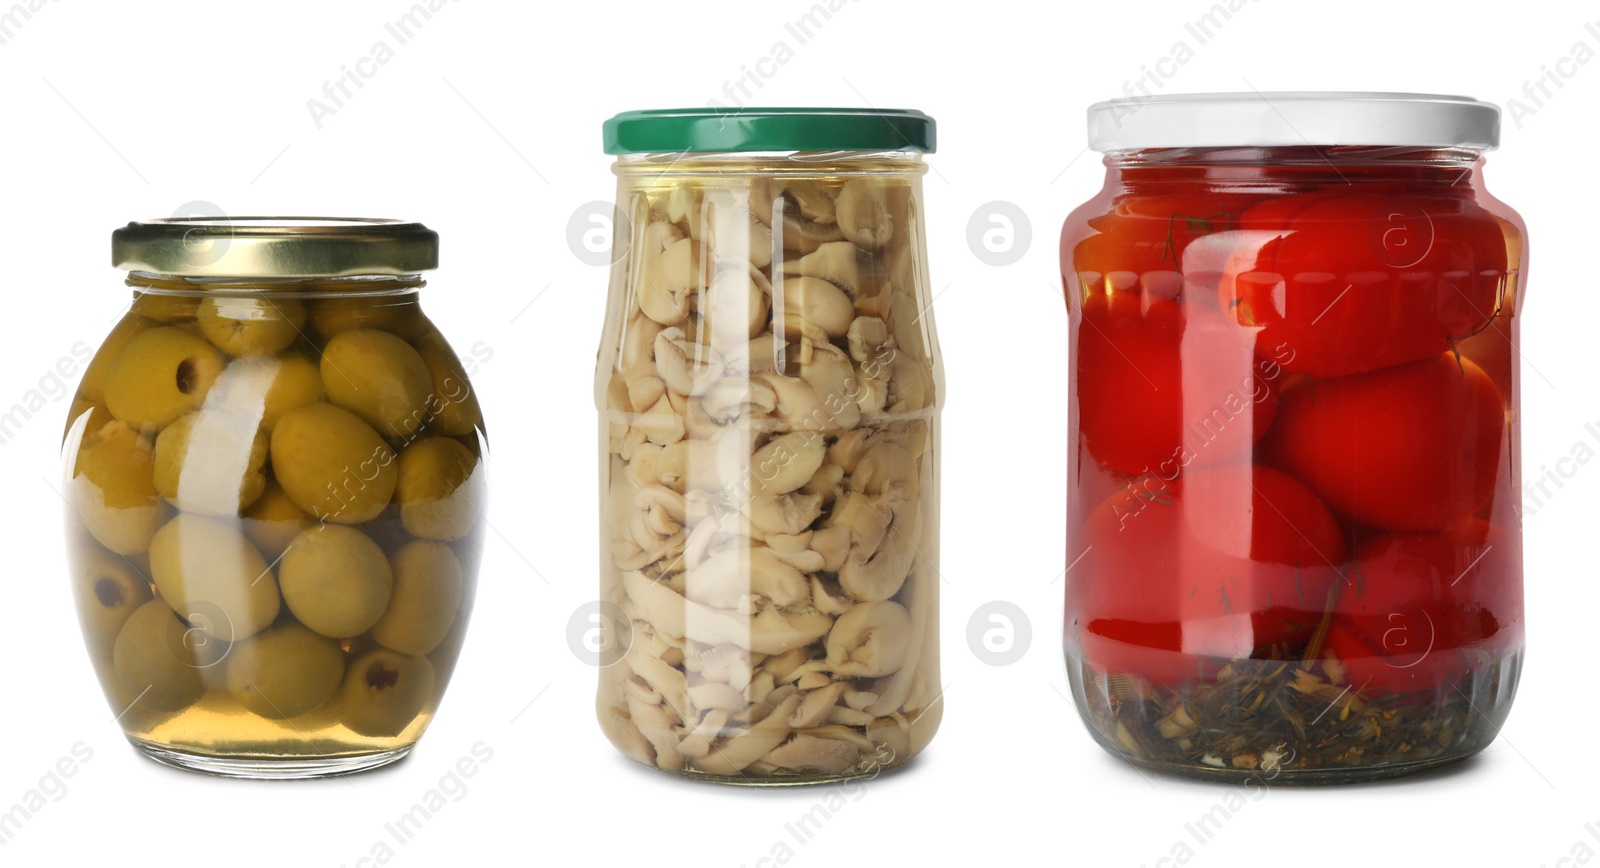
x: 1293, y: 545
x: 254, y: 594
x: 769, y: 395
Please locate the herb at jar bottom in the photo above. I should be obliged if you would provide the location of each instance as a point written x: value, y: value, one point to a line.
x: 1288, y: 714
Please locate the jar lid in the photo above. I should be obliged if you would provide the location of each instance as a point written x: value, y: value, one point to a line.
x: 275, y: 247
x: 1256, y: 119
x: 671, y: 131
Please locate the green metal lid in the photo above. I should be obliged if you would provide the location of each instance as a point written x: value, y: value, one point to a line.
x: 671, y: 131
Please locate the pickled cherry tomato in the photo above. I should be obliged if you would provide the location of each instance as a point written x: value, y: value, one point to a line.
x: 1151, y: 400
x: 1414, y: 447
x: 1173, y: 577
x: 1358, y: 282
x: 1417, y: 599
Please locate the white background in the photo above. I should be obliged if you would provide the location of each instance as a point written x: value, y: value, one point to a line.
x: 486, y: 126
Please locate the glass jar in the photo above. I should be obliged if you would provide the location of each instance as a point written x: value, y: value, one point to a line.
x: 769, y: 384
x: 273, y: 468
x: 1293, y: 545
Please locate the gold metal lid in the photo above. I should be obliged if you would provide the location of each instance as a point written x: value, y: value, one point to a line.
x: 275, y: 247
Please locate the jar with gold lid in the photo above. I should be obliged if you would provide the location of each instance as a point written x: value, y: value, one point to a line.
x: 274, y: 474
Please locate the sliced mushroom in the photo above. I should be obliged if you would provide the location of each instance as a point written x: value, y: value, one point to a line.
x: 681, y: 373
x: 671, y: 274
x: 798, y: 405
x: 660, y: 424
x: 683, y: 206
x: 833, y: 377
x: 657, y: 729
x: 814, y: 706
x: 863, y: 214
x: 842, y: 264
x: 727, y: 664
x: 870, y: 342
x: 828, y: 597
x: 686, y: 464
x: 732, y: 755
x: 664, y: 680
x: 879, y: 573
x: 698, y: 742
x: 810, y: 753
x: 784, y: 514
x: 732, y: 574
x: 731, y: 398
x: 786, y: 462
x: 815, y: 302
x: 869, y: 641
x: 735, y: 306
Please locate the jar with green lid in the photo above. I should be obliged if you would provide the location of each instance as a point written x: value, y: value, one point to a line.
x: 274, y: 476
x: 769, y: 386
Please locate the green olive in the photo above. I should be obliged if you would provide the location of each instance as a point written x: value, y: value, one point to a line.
x: 98, y: 416
x: 107, y: 589
x: 427, y: 592
x: 212, y: 575
x: 335, y: 580
x: 250, y: 326
x: 439, y: 490
x: 273, y: 521
x: 112, y: 488
x: 158, y: 658
x: 210, y: 461
x: 285, y: 671
x: 332, y: 464
x: 384, y: 691
x: 295, y: 382
x: 379, y: 377
x: 92, y: 387
x: 452, y: 403
x: 166, y: 307
x: 161, y: 375
x: 341, y: 313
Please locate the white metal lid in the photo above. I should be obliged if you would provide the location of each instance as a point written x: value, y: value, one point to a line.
x: 1257, y: 119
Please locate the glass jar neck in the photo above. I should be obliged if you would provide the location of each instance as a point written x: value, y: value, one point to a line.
x: 361, y: 284
x: 1294, y: 166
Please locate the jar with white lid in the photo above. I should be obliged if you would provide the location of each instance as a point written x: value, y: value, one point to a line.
x: 1294, y: 544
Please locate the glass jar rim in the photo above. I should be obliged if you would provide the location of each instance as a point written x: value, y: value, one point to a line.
x: 275, y: 247
x: 1285, y: 118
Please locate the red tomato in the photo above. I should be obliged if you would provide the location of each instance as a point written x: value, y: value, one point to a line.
x: 1151, y: 400
x: 1407, y: 448
x: 1170, y: 579
x: 1358, y: 282
x: 1417, y: 599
